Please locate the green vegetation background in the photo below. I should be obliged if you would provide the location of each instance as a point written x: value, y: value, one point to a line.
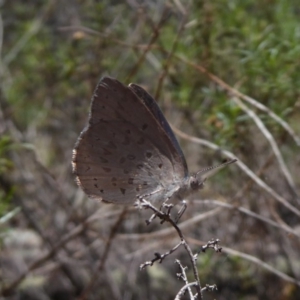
x: 54, y: 52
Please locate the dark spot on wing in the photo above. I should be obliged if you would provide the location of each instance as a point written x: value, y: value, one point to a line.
x: 123, y: 191
x: 130, y: 181
x: 113, y: 180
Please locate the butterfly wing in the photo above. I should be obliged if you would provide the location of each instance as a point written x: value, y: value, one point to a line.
x: 158, y: 115
x: 124, y: 152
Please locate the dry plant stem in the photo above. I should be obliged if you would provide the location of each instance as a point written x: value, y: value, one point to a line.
x: 246, y: 98
x: 107, y: 37
x: 94, y: 276
x: 210, y: 288
x: 272, y: 142
x: 191, y: 222
x: 280, y: 221
x: 34, y: 223
x: 154, y: 37
x: 254, y: 260
x: 167, y: 218
x: 249, y: 183
x: 167, y: 62
x: 251, y: 174
x: 280, y: 225
x: 169, y: 231
x: 189, y: 285
x: 52, y: 253
x: 290, y: 254
x: 214, y: 78
x: 74, y: 233
x: 183, y: 289
x: 1, y: 41
x: 180, y: 7
x: 159, y: 257
x: 35, y: 26
x: 198, y: 218
x: 213, y: 244
x: 262, y: 264
x: 8, y: 216
x: 183, y: 276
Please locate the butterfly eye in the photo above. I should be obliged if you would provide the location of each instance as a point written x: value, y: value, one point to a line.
x: 194, y: 183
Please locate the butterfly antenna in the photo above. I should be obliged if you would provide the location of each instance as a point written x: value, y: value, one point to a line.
x: 210, y: 171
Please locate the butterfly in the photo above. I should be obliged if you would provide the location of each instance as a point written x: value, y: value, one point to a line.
x: 128, y: 151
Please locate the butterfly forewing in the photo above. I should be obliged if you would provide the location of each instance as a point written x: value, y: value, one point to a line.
x: 124, y: 152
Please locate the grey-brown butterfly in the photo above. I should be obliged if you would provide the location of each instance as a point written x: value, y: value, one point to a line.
x: 128, y: 151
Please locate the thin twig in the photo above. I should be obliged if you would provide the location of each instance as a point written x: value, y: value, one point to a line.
x: 272, y: 142
x: 65, y: 239
x: 34, y: 28
x: 183, y: 276
x: 169, y: 231
x: 155, y: 35
x: 168, y: 60
x: 254, y: 260
x: 167, y: 218
x: 200, y: 68
x: 159, y: 257
x: 183, y: 289
x: 94, y: 276
x: 252, y: 214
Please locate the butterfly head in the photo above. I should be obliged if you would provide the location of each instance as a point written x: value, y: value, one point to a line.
x: 197, y: 180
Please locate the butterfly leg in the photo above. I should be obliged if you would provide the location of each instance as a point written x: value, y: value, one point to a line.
x: 141, y: 202
x: 166, y: 205
x: 164, y: 210
x: 181, y: 211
